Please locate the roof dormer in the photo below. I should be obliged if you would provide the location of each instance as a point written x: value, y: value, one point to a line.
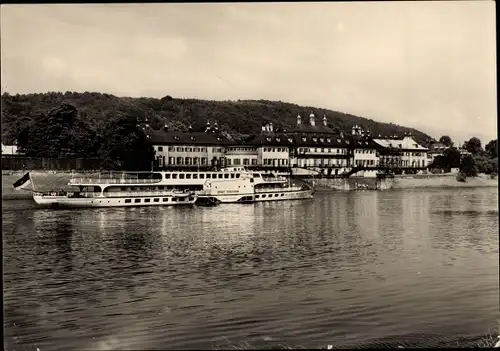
x: 312, y: 122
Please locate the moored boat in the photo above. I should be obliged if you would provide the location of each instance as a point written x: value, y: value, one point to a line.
x: 110, y: 190
x: 252, y: 186
x: 209, y: 188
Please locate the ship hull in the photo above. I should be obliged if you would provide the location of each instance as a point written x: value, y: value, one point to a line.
x: 258, y: 197
x: 67, y: 202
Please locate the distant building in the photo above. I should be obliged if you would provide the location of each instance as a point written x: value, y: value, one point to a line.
x: 189, y: 149
x: 9, y: 150
x: 312, y: 146
x: 318, y: 147
x: 402, y: 152
x: 435, y: 149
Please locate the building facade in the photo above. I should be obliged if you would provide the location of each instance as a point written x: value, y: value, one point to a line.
x: 403, y: 153
x: 190, y: 149
x: 312, y: 146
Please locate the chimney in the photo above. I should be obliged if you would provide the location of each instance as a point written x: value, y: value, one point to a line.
x: 311, y: 119
x: 325, y: 122
x: 299, y: 120
x: 165, y: 128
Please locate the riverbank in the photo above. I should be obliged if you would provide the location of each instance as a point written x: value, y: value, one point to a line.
x: 49, y: 180
x: 443, y: 181
x: 404, y: 182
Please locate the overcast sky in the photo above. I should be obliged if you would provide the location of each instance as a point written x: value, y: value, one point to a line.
x: 428, y: 65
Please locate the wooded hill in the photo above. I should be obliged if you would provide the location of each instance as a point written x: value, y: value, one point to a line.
x: 236, y: 118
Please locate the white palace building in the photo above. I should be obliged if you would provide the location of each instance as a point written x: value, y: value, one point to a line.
x: 308, y: 147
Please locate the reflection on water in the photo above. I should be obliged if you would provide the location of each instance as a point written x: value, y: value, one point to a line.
x: 415, y: 265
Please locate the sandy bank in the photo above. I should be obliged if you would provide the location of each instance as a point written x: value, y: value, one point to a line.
x: 442, y: 181
x: 404, y: 182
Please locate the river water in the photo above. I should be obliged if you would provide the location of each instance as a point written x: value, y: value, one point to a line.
x: 402, y: 267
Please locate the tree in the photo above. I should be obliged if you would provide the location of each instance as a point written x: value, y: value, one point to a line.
x: 124, y: 146
x: 492, y: 148
x: 468, y: 166
x: 473, y: 146
x: 243, y: 117
x: 452, y: 157
x: 483, y: 164
x: 446, y: 141
x: 59, y: 133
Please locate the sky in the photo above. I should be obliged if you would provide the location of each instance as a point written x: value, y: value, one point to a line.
x: 427, y: 65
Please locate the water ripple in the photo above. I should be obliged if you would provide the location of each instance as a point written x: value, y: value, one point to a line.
x: 372, y: 269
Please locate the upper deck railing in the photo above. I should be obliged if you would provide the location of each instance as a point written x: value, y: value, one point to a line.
x: 274, y: 178
x: 74, y: 181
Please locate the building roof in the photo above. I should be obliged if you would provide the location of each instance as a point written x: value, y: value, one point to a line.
x: 277, y: 139
x: 9, y: 149
x: 405, y: 143
x: 304, y: 140
x: 437, y: 146
x: 309, y: 129
x: 159, y: 137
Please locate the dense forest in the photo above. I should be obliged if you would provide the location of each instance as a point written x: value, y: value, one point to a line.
x: 235, y: 118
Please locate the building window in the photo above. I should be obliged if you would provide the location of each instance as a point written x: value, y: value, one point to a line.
x: 237, y: 162
x: 179, y: 160
x: 188, y: 160
x: 160, y: 148
x: 188, y: 176
x: 179, y: 149
x: 171, y: 160
x: 246, y: 162
x: 229, y: 162
x: 203, y: 160
x: 181, y: 176
x: 254, y: 162
x: 171, y: 148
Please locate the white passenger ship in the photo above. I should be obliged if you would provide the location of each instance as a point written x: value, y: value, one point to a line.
x: 113, y: 190
x: 233, y: 184
x: 236, y: 184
